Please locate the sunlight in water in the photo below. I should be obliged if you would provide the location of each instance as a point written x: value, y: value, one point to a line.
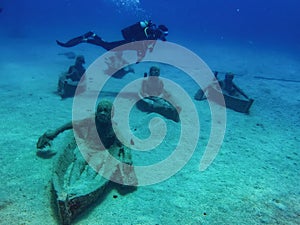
x: 128, y: 5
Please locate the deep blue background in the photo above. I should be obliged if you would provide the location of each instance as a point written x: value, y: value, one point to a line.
x: 272, y: 21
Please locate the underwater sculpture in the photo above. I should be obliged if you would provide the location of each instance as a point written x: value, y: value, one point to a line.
x: 69, y: 81
x: 153, y: 96
x: 116, y: 61
x: 75, y: 181
x: 158, y: 105
x: 234, y: 97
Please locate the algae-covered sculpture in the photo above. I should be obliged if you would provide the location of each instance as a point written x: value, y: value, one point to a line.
x: 234, y: 97
x: 69, y: 81
x: 153, y: 96
x: 117, y: 66
x: 77, y: 175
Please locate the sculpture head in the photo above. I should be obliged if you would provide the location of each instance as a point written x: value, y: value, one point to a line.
x: 103, y: 120
x: 104, y: 113
x: 79, y: 60
x: 154, y: 71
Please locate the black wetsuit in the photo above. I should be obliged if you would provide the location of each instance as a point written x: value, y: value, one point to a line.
x: 132, y: 33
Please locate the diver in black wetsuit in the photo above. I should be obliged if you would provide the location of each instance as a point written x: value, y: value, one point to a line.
x: 144, y: 30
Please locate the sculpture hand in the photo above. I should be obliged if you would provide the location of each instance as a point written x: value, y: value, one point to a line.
x: 45, y: 139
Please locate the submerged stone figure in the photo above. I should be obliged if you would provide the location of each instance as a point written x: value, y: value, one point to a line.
x: 226, y: 93
x: 117, y: 66
x: 69, y: 81
x: 227, y: 87
x: 85, y: 130
x: 155, y: 98
x: 81, y: 176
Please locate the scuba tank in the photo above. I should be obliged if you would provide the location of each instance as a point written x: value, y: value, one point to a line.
x: 136, y: 32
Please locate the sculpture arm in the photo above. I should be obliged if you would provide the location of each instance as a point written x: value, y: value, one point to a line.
x: 240, y: 91
x: 48, y: 136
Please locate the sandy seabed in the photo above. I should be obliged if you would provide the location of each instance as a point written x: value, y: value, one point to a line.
x: 254, y: 179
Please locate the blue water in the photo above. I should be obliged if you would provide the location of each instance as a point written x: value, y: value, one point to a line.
x: 254, y: 179
x: 273, y: 21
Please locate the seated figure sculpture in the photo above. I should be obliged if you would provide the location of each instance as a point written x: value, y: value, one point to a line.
x: 117, y: 66
x: 95, y: 149
x: 226, y: 93
x: 155, y: 98
x: 86, y: 168
x: 68, y: 82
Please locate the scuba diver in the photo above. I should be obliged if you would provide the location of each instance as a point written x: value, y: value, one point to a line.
x: 144, y: 30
